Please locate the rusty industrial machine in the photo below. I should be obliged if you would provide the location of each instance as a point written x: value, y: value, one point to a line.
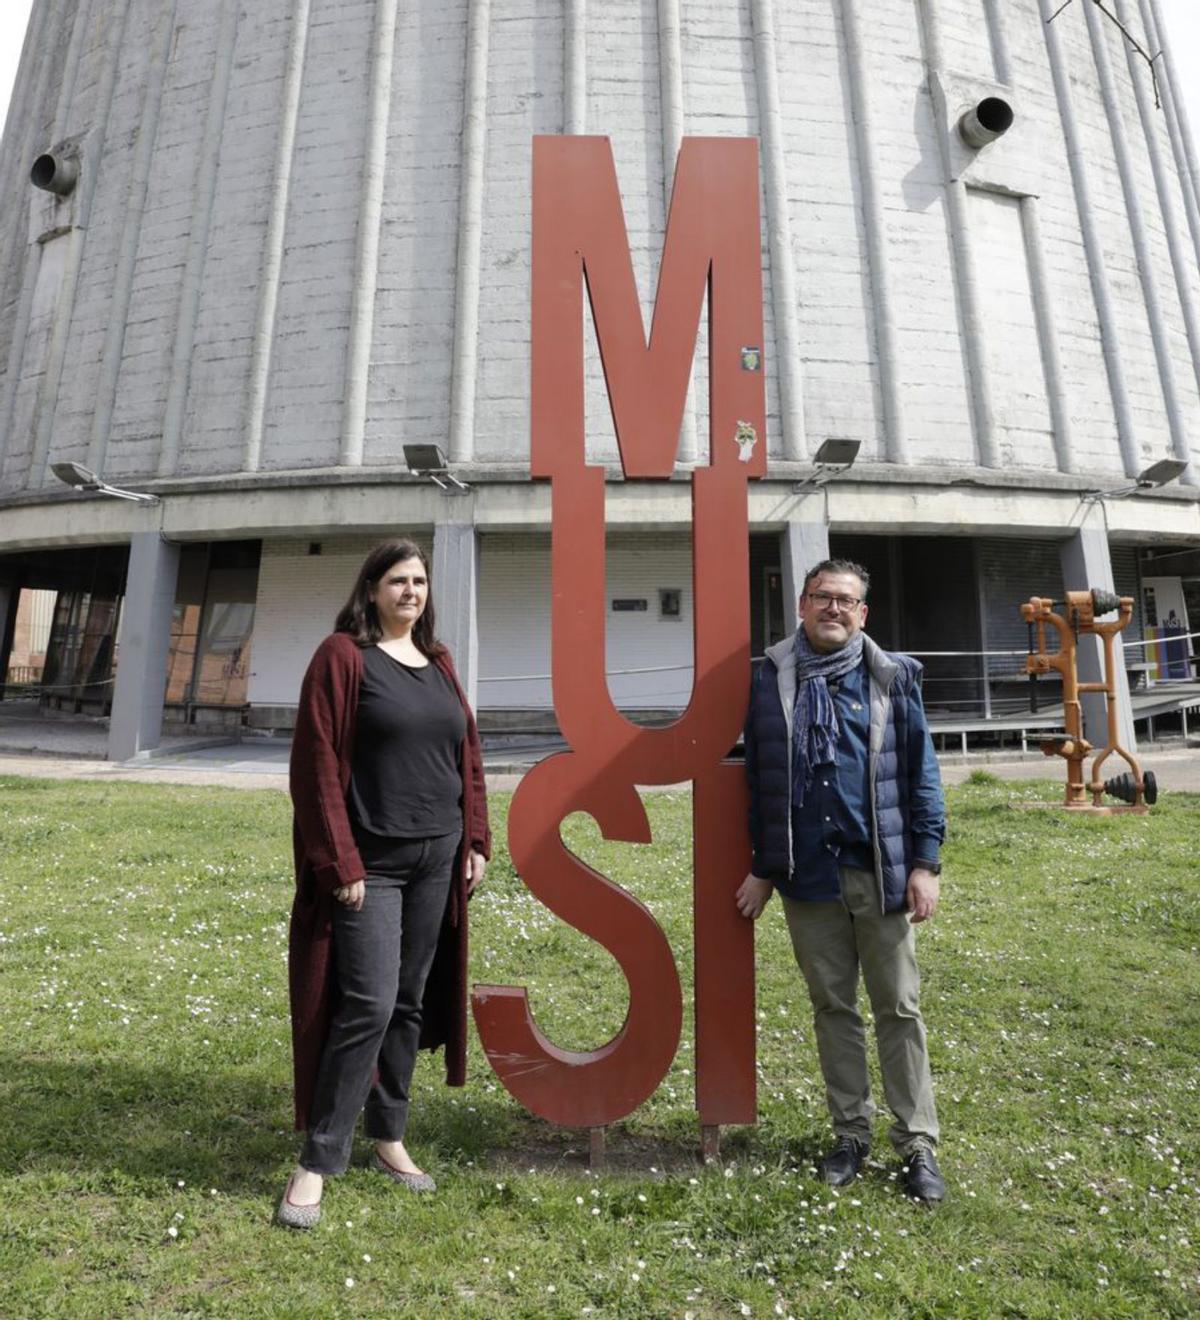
x: 1078, y: 615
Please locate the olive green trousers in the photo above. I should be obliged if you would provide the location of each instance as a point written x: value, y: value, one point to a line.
x: 832, y: 941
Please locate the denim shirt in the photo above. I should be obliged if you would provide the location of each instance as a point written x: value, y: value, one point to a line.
x: 833, y: 828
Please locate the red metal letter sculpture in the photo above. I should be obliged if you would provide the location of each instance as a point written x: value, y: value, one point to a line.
x: 712, y: 240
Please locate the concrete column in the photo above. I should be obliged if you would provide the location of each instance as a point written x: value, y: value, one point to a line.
x: 1086, y: 564
x: 10, y: 594
x: 137, y: 710
x: 804, y: 543
x: 455, y: 584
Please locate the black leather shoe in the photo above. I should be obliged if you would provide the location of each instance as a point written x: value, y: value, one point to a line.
x: 921, y: 1178
x: 842, y: 1164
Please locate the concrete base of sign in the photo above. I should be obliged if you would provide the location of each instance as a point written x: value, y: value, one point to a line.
x: 710, y: 1143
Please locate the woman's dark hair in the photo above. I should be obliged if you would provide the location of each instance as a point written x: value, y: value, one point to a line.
x: 358, y: 616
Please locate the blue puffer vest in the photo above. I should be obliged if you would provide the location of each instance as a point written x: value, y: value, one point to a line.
x: 906, y: 793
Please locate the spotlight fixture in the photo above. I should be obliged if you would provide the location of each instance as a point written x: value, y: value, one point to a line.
x: 85, y: 481
x: 1149, y: 478
x: 429, y: 461
x: 1158, y: 474
x: 832, y: 458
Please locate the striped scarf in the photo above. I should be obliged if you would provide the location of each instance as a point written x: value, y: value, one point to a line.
x: 814, y: 720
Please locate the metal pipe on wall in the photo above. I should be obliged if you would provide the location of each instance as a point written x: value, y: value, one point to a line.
x: 883, y: 302
x: 19, y: 232
x: 64, y: 309
x: 785, y: 300
x: 366, y: 257
x: 1098, y: 33
x: 203, y: 202
x: 1178, y: 128
x: 1181, y: 266
x: 1043, y: 310
x: 1093, y: 246
x: 993, y: 11
x: 281, y: 191
x: 575, y: 66
x: 670, y: 63
x: 1183, y: 140
x: 966, y: 281
x: 135, y: 208
x: 465, y: 369
x: 21, y: 145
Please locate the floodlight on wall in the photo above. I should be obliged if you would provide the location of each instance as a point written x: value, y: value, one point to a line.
x: 1158, y: 474
x: 429, y: 461
x: 85, y: 481
x: 1149, y: 478
x: 834, y: 456
x: 985, y: 122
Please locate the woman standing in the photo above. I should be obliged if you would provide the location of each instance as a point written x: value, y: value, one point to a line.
x: 390, y: 833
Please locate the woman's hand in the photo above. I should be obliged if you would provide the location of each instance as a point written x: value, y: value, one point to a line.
x: 476, y: 866
x: 352, y: 895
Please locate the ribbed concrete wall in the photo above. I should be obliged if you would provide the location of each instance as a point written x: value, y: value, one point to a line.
x: 301, y: 232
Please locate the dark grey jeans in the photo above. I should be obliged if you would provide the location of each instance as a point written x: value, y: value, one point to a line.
x: 382, y: 956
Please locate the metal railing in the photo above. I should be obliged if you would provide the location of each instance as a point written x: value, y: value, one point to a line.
x: 999, y: 685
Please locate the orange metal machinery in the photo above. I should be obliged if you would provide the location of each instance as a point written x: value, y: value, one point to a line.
x: 1136, y: 790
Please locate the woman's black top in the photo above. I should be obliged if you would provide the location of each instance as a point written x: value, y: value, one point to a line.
x: 404, y: 777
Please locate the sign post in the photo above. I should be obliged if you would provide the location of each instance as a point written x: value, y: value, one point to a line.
x: 712, y: 245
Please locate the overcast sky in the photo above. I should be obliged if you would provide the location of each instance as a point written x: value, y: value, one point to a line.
x: 1182, y: 18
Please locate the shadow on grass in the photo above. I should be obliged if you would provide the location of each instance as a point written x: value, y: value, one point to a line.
x: 636, y: 1146
x: 109, y: 1124
x: 113, y: 1121
x: 141, y: 1124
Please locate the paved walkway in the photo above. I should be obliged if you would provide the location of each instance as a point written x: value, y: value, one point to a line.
x: 47, y: 747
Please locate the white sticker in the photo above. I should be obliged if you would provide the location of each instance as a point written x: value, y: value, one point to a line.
x: 746, y: 437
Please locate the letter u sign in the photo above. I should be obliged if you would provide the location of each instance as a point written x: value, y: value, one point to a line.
x: 712, y: 243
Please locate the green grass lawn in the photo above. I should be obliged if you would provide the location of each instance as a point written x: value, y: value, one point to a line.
x: 145, y: 1122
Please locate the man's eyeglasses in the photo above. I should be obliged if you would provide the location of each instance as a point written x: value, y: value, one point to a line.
x: 823, y: 600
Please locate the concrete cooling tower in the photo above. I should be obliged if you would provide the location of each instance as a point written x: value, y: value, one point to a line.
x: 250, y: 252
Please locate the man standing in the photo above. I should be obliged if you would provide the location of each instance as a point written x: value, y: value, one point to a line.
x: 846, y: 821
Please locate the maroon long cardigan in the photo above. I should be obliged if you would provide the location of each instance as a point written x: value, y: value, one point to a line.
x: 327, y: 859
